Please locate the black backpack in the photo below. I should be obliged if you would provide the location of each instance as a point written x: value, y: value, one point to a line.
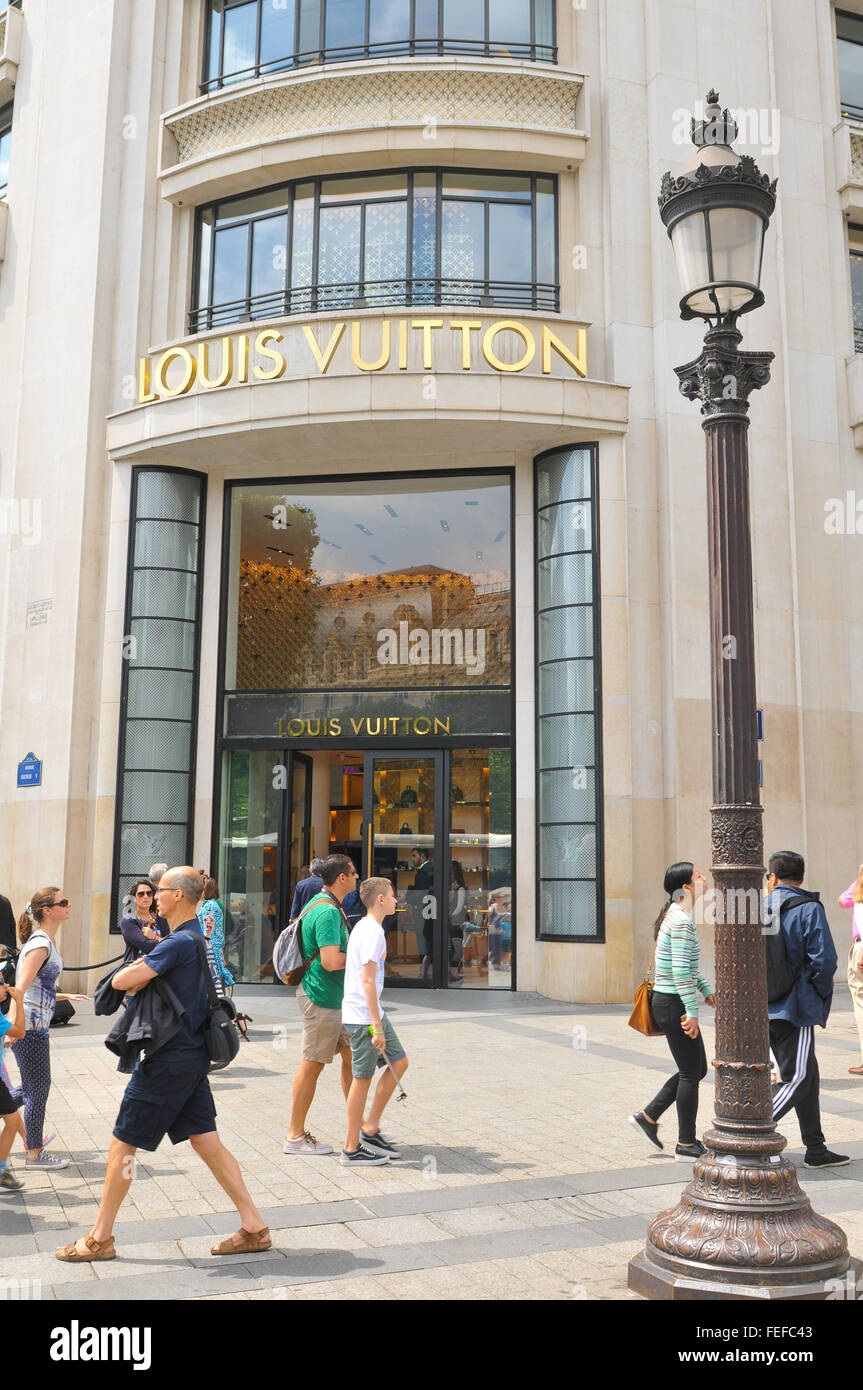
x: 780, y: 981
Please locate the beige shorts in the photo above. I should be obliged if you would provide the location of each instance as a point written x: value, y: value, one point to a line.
x: 323, y: 1032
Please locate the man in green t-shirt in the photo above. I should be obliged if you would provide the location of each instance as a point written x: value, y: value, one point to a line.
x: 324, y: 935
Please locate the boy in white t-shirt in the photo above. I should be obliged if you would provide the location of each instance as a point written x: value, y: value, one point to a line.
x: 370, y: 1031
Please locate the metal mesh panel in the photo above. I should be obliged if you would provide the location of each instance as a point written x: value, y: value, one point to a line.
x: 163, y: 643
x: 157, y: 743
x: 566, y: 740
x: 565, y: 579
x: 563, y: 528
x: 563, y: 476
x: 143, y: 845
x: 160, y: 694
x: 172, y: 496
x: 163, y: 594
x: 567, y: 851
x: 170, y: 543
x: 565, y: 632
x: 567, y: 796
x: 568, y: 909
x: 565, y: 686
x: 153, y: 796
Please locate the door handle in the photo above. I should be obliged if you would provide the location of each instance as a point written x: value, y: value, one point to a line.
x: 369, y: 868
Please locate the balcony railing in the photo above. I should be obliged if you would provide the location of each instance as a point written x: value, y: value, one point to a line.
x: 374, y: 294
x: 402, y: 48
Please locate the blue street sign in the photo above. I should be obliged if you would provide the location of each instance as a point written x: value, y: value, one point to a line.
x: 30, y: 772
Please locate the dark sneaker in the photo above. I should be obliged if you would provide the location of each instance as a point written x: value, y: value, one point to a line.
x: 640, y: 1121
x: 825, y: 1159
x: 379, y: 1144
x: 363, y: 1158
x: 687, y: 1153
x: 8, y: 1180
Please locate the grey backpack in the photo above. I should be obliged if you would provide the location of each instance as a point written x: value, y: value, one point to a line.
x: 289, y: 963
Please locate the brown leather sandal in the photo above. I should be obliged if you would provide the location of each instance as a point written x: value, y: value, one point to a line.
x: 98, y: 1250
x: 250, y: 1241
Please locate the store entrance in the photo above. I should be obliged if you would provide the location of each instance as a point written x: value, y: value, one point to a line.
x: 435, y: 821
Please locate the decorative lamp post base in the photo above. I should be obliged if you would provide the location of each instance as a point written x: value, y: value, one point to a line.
x: 743, y: 1229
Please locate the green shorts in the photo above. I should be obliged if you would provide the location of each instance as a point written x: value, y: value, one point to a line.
x: 364, y: 1055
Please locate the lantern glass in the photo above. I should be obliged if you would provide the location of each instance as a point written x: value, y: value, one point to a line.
x: 718, y: 254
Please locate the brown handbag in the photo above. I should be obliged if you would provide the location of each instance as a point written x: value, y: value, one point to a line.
x: 641, y: 1018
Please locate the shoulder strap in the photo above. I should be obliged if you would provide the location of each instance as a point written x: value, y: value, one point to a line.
x: 785, y: 903
x: 212, y: 996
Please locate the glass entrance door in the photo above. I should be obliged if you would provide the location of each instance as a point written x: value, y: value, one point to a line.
x: 403, y: 840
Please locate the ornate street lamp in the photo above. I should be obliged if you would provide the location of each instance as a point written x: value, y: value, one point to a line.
x: 742, y: 1228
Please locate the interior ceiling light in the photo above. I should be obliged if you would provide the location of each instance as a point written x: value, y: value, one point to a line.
x: 499, y: 537
x: 365, y: 530
x: 392, y: 511
x: 271, y: 516
x: 377, y: 559
x: 444, y: 526
x: 471, y: 504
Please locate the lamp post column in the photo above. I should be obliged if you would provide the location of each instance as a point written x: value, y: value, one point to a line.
x: 743, y: 1227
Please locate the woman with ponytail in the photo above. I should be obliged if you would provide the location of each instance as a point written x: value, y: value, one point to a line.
x: 674, y: 1003
x: 39, y: 967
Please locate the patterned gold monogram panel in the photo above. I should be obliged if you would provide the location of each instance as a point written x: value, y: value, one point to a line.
x: 304, y: 105
x: 856, y: 157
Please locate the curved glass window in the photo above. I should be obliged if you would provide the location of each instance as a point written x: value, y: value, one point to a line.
x: 569, y: 715
x: 257, y: 38
x: 362, y: 241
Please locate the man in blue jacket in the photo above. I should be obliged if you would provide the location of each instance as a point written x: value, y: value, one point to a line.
x: 811, y: 958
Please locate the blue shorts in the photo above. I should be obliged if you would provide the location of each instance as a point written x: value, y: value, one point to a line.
x: 166, y: 1096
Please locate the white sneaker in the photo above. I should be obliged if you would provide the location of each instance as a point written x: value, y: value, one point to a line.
x: 306, y: 1144
x: 46, y: 1160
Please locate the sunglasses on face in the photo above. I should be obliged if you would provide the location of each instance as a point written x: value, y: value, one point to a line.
x: 144, y: 893
x: 64, y: 902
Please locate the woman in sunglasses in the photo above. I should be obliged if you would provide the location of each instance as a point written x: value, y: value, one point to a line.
x: 39, y: 967
x: 142, y: 927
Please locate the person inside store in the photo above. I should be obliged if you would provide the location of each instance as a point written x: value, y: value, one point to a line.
x: 457, y: 916
x: 499, y: 926
x: 422, y: 887
x: 307, y: 888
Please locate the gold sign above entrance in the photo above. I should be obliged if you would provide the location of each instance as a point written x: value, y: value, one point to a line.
x: 368, y: 726
x: 245, y: 358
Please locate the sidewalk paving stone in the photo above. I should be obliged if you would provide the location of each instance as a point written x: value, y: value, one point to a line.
x: 520, y: 1177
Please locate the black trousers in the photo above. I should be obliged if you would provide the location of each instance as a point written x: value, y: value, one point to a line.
x: 794, y: 1053
x: 691, y: 1059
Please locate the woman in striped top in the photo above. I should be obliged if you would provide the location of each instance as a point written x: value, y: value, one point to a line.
x: 674, y: 1003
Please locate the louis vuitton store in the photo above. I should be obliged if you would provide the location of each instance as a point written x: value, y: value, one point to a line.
x: 362, y: 700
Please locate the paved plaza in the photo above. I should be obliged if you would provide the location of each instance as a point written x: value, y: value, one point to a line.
x: 520, y: 1178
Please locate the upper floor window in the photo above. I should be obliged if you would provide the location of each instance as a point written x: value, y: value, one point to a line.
x: 256, y: 38
x: 855, y: 248
x: 424, y: 236
x: 9, y: 5
x: 5, y: 143
x: 849, y: 43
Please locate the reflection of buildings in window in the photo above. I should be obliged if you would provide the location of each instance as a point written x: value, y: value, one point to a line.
x: 849, y: 49
x: 296, y: 634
